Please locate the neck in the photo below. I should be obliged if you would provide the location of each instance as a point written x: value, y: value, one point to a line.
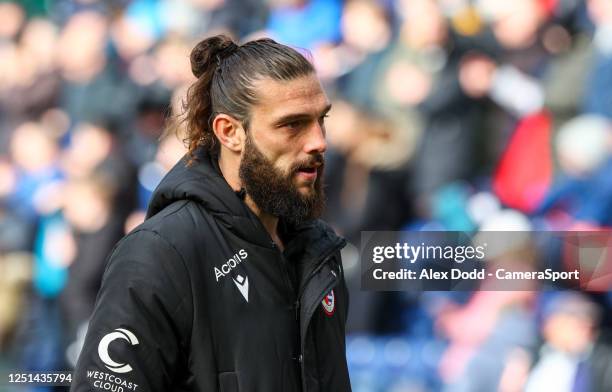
x: 229, y: 169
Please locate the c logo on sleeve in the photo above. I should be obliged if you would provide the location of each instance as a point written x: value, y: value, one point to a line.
x: 118, y: 333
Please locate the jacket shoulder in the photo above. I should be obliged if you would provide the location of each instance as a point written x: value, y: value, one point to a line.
x: 181, y: 225
x: 145, y: 255
x: 181, y: 215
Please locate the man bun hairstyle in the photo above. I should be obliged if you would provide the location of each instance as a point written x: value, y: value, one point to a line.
x: 226, y: 73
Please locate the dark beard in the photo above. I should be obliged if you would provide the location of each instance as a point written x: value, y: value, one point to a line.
x: 274, y: 192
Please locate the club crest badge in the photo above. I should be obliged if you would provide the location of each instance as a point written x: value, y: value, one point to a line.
x: 329, y: 303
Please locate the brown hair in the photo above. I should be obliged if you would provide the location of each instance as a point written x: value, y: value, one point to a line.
x: 226, y: 74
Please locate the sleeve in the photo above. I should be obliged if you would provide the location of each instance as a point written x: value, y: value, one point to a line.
x: 141, y: 321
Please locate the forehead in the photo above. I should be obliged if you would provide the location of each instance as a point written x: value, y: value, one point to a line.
x: 279, y: 98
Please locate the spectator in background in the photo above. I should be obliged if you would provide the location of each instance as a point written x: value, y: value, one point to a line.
x: 29, y: 82
x: 98, y: 196
x: 367, y: 32
x: 597, y: 99
x: 572, y: 358
x: 35, y: 154
x: 583, y: 189
x: 95, y: 228
x: 95, y: 150
x: 88, y: 89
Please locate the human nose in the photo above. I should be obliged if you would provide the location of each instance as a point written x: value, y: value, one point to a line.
x: 316, y: 142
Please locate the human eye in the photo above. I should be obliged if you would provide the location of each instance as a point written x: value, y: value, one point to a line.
x: 294, y: 125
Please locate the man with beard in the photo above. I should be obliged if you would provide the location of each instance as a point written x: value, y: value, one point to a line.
x: 232, y: 283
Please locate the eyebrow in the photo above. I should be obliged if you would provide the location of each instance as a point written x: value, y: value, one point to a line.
x: 300, y: 116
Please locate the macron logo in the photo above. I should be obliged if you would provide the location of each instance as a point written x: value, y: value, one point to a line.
x: 242, y: 282
x: 243, y: 285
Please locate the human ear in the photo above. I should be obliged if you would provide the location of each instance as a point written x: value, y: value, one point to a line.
x: 229, y: 132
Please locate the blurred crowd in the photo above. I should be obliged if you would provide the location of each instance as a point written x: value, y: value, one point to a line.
x: 466, y: 115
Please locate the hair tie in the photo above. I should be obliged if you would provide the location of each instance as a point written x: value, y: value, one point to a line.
x: 225, y: 53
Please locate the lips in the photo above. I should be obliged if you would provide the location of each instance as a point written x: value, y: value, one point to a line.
x: 308, y: 170
x: 308, y: 173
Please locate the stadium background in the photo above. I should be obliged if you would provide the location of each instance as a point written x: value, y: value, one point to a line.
x: 448, y: 115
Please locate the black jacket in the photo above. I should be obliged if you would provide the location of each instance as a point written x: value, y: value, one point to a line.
x: 199, y: 298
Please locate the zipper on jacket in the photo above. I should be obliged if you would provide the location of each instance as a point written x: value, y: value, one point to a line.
x: 297, y: 349
x: 309, y: 313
